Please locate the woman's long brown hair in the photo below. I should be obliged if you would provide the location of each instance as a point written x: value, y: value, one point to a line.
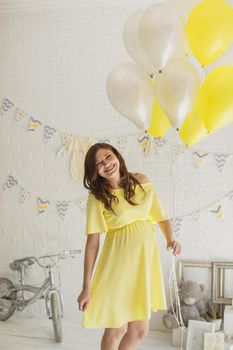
x: 99, y: 186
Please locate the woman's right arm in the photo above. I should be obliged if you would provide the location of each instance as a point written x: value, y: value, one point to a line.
x: 91, y: 252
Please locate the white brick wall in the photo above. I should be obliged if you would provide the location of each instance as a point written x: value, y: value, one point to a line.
x: 53, y: 64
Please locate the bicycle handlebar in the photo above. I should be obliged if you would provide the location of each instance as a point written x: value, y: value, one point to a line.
x: 61, y: 254
x: 30, y: 260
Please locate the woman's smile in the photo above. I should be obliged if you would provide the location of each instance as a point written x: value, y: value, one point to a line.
x: 111, y: 169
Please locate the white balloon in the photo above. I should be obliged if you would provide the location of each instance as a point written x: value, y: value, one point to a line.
x: 131, y: 93
x: 162, y: 33
x: 176, y: 89
x: 133, y: 44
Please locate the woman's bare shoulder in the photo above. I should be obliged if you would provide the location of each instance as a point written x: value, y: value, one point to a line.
x: 142, y: 178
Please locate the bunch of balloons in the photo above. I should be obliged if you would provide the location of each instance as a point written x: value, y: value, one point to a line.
x: 183, y: 76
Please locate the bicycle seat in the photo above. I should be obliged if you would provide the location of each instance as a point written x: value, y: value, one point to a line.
x: 16, y: 264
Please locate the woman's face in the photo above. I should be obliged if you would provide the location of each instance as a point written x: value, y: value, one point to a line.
x: 107, y: 164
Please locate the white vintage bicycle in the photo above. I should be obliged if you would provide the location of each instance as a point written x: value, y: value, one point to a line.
x: 13, y: 296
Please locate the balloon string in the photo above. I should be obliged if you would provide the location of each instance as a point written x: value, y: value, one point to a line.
x: 173, y: 288
x: 173, y: 285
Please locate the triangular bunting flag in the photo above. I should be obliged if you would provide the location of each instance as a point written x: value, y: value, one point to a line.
x: 230, y: 195
x: 160, y: 142
x: 81, y: 203
x: 104, y: 140
x: 48, y: 133
x: 216, y: 209
x: 19, y: 115
x: 33, y: 124
x: 177, y: 225
x: 42, y: 205
x: 66, y: 138
x: 197, y: 219
x: 6, y: 105
x: 199, y: 158
x: 62, y: 208
x: 24, y: 195
x: 220, y: 160
x: 122, y: 144
x: 10, y: 182
x: 176, y: 151
x: 148, y: 145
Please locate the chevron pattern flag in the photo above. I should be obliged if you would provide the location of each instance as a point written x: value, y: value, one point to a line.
x: 81, y: 203
x: 104, y: 140
x: 48, y: 133
x: 147, y: 143
x: 122, y: 143
x: 199, y: 158
x: 6, y: 105
x: 230, y: 195
x: 66, y: 138
x: 216, y: 209
x: 10, y: 182
x: 62, y: 207
x: 42, y: 205
x: 19, y: 115
x: 177, y: 225
x: 176, y: 151
x: 197, y: 219
x: 220, y: 160
x: 24, y: 195
x: 160, y: 142
x: 33, y: 124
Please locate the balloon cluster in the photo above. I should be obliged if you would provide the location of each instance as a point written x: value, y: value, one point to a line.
x: 183, y: 76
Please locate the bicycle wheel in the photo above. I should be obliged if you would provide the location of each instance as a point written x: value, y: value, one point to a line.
x: 56, y: 317
x: 6, y: 297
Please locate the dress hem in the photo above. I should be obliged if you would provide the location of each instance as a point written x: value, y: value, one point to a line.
x: 143, y: 319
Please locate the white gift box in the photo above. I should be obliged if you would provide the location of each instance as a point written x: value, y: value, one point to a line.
x: 228, y: 319
x: 214, y: 341
x: 217, y: 323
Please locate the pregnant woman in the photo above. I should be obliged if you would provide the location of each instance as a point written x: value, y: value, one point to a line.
x: 128, y: 282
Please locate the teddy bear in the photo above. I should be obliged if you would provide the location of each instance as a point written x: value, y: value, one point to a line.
x: 192, y: 304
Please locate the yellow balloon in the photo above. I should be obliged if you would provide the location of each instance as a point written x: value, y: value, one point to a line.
x: 193, y: 129
x: 216, y: 98
x: 209, y: 29
x: 159, y: 122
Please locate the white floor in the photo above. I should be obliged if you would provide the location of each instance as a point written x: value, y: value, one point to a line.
x: 31, y: 334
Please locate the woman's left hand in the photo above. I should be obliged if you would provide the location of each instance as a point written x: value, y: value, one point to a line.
x: 175, y: 247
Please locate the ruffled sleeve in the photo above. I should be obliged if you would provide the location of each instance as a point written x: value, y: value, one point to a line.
x: 95, y: 220
x: 157, y: 211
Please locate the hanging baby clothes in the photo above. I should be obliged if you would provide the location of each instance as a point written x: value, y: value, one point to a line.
x: 127, y: 283
x: 77, y: 146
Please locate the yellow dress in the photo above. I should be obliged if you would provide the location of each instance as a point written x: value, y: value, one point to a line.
x: 127, y: 283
